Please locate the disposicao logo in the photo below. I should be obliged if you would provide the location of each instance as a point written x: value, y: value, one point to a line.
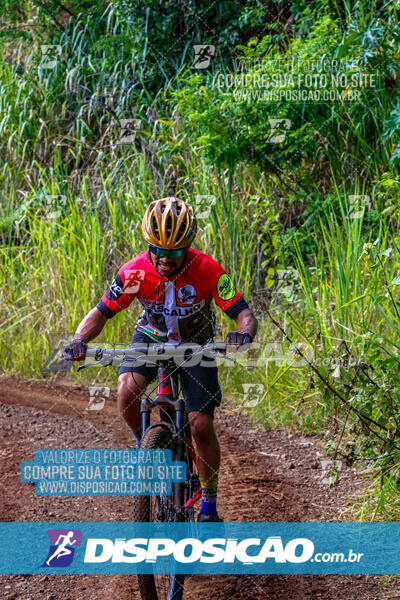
x: 62, y: 547
x: 191, y: 550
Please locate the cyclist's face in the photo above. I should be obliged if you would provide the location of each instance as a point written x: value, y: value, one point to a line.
x: 167, y: 266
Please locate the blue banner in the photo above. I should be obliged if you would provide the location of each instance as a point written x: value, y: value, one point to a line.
x: 213, y: 548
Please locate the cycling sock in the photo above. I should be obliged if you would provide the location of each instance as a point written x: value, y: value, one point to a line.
x: 209, y: 488
x: 137, y: 437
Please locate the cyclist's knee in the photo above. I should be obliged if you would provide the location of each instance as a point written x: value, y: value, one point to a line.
x: 129, y: 388
x: 201, y: 426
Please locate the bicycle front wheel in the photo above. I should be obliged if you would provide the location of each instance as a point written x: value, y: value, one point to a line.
x: 156, y: 509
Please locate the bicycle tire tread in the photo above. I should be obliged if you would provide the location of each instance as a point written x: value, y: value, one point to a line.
x: 155, y: 438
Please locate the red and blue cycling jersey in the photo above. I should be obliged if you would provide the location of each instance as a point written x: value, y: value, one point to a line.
x: 176, y: 308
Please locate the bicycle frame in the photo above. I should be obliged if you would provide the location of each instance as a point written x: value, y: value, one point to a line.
x: 172, y: 413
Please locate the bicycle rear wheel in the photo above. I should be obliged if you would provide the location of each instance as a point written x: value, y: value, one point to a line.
x: 155, y: 509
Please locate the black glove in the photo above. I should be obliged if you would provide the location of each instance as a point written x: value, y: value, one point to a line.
x: 74, y: 350
x: 238, y: 338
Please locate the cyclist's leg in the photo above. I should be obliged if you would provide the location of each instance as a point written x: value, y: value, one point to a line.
x: 206, y: 441
x: 132, y: 381
x: 200, y: 388
x: 130, y: 390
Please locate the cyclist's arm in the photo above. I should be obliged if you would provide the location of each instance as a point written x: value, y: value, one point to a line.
x: 91, y: 326
x: 246, y: 322
x: 117, y: 297
x: 229, y: 300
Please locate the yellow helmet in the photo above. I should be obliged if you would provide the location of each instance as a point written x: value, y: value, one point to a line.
x: 169, y: 223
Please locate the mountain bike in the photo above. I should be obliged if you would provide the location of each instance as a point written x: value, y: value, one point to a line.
x: 171, y: 431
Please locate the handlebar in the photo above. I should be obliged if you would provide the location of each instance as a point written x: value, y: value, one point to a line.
x: 154, y: 352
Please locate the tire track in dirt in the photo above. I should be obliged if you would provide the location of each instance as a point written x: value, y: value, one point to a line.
x: 265, y: 476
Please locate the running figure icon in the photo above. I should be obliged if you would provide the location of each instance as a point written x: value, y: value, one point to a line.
x: 62, y: 549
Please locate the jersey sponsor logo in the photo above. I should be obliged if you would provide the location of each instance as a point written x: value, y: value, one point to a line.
x: 116, y: 289
x: 187, y: 294
x: 172, y: 311
x: 225, y: 287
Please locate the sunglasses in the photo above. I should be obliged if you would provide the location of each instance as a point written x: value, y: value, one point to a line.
x: 160, y: 252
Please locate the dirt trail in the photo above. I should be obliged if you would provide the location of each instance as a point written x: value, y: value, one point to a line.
x: 265, y: 476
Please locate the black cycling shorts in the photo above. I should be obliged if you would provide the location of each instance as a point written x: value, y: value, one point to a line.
x: 199, y: 384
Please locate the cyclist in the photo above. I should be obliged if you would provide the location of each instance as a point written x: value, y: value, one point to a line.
x: 175, y: 285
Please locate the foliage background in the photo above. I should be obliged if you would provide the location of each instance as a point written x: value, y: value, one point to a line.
x: 279, y: 206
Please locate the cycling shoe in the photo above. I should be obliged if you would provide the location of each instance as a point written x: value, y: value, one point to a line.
x: 208, y: 518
